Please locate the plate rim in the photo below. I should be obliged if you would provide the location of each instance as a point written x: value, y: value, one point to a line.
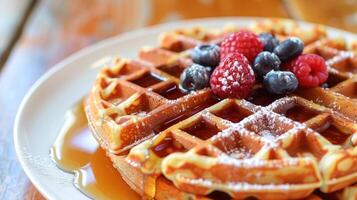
x: 103, y: 44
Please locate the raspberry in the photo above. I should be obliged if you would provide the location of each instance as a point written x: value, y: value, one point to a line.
x: 309, y: 69
x: 244, y: 42
x: 233, y: 78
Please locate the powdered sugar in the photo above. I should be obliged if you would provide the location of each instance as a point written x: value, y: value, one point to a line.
x: 264, y: 126
x: 233, y: 186
x: 230, y: 77
x: 268, y: 135
x: 241, y: 153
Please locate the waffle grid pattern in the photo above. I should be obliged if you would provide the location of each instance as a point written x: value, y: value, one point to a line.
x: 202, y: 145
x: 263, y: 142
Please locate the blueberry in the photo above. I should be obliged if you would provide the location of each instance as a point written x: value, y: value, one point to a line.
x: 269, y: 41
x: 206, y: 55
x: 280, y: 82
x: 325, y: 85
x: 194, y: 77
x: 209, y: 69
x: 289, y: 49
x: 264, y: 63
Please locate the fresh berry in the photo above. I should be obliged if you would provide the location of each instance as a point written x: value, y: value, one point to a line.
x: 210, y: 70
x: 325, y: 85
x: 195, y: 77
x: 280, y: 82
x: 269, y: 41
x: 244, y: 42
x: 264, y: 63
x: 206, y: 55
x: 310, y: 70
x: 289, y: 49
x: 233, y: 78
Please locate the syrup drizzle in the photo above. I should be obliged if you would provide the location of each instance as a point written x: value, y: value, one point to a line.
x: 300, y: 114
x: 232, y: 113
x: 147, y: 80
x: 76, y: 151
x: 202, y: 129
x: 334, y: 135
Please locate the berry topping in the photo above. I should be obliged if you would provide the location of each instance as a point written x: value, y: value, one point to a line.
x: 264, y: 63
x: 325, y: 85
x: 194, y: 77
x: 233, y: 78
x: 269, y: 41
x: 310, y: 70
x: 244, y: 42
x: 206, y: 55
x: 280, y: 82
x: 289, y: 49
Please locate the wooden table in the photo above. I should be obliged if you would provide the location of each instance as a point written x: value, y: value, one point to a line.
x: 34, y: 35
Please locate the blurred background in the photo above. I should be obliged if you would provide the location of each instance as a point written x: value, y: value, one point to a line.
x: 35, y: 34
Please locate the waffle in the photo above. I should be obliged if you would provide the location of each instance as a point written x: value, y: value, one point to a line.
x: 167, y: 144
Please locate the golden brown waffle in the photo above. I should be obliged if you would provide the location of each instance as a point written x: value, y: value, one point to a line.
x: 134, y: 99
x: 251, y: 151
x: 266, y: 147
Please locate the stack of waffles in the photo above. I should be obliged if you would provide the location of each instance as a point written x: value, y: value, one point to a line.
x: 170, y: 145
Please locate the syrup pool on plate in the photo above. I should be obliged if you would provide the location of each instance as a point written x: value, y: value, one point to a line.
x: 76, y: 151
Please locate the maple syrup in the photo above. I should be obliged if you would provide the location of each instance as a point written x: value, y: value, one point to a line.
x: 147, y: 80
x: 300, y: 114
x: 167, y: 146
x: 232, y: 113
x: 334, y: 135
x: 185, y: 115
x: 76, y: 151
x: 173, y: 92
x: 202, y: 129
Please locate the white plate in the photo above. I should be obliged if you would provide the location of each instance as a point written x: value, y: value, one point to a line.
x: 41, y: 112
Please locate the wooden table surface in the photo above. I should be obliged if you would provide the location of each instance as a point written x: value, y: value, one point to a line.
x: 34, y: 35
